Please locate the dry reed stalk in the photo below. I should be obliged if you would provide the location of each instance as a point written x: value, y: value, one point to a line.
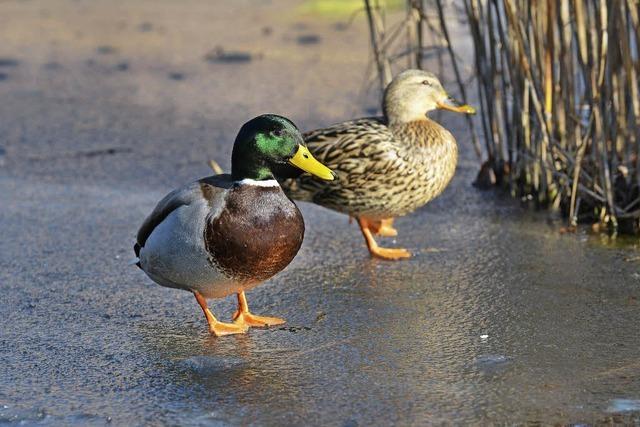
x: 569, y: 102
x: 376, y: 33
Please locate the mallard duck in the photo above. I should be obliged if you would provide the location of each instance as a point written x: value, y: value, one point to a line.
x: 386, y: 166
x: 226, y: 234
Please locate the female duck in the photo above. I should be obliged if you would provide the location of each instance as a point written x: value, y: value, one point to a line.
x: 387, y: 166
x: 227, y: 234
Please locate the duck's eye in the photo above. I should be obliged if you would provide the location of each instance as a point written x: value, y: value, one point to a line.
x: 278, y: 132
x: 426, y: 82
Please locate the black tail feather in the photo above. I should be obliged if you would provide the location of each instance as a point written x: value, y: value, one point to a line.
x: 136, y: 249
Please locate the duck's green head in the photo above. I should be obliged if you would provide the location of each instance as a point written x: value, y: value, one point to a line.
x: 267, y: 143
x: 413, y: 93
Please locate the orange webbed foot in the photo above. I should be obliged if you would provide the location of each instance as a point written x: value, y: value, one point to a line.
x: 220, y: 329
x: 253, y: 321
x: 244, y: 318
x: 368, y: 227
x: 391, y: 254
x: 216, y: 327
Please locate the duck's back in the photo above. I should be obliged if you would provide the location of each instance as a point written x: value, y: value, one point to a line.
x: 383, y: 171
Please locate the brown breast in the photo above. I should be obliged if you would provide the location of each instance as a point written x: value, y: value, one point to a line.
x: 257, y: 234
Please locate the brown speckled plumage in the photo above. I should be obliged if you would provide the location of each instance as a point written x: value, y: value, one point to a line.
x: 383, y: 171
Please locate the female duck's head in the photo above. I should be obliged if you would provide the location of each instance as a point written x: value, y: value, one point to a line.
x: 266, y: 144
x: 413, y: 93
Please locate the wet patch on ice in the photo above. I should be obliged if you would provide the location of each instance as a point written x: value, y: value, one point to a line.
x: 492, y: 363
x: 624, y: 405
x: 209, y: 365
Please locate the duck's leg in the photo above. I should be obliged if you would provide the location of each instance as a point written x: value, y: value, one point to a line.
x: 244, y: 317
x: 383, y: 227
x: 366, y: 227
x: 215, y: 326
x: 386, y: 229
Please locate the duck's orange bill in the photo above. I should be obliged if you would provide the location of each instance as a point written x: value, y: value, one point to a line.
x: 456, y: 107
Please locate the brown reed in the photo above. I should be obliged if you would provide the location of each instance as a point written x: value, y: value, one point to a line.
x: 558, y: 85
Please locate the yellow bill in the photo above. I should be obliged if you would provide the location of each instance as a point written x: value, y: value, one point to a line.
x: 305, y: 161
x: 453, y: 105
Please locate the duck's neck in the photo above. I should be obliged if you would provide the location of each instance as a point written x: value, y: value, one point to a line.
x: 248, y: 171
x: 258, y: 183
x: 247, y: 165
x: 423, y: 120
x: 404, y: 116
x: 422, y: 133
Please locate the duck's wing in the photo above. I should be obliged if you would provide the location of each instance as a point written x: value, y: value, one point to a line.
x: 361, y: 152
x: 204, y: 189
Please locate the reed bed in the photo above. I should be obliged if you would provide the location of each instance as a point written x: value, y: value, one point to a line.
x: 557, y: 85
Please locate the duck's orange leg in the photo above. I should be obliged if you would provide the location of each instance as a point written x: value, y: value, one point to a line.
x: 215, y: 326
x: 386, y: 228
x: 366, y: 226
x: 243, y: 317
x: 383, y: 227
